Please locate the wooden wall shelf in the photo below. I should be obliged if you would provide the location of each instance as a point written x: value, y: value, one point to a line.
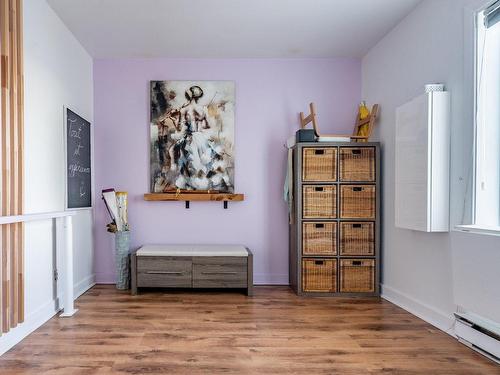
x: 192, y: 196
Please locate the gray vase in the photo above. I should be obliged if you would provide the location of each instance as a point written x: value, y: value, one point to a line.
x: 122, y: 250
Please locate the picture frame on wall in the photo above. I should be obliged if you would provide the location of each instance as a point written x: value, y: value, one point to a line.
x: 192, y: 136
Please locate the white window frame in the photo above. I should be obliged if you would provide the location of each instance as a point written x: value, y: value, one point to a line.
x: 471, y: 96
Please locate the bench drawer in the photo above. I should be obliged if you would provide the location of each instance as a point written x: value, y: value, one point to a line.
x: 164, y: 279
x: 173, y: 264
x: 164, y: 272
x: 220, y: 272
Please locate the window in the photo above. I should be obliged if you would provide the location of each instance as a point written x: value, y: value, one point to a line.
x: 487, y: 118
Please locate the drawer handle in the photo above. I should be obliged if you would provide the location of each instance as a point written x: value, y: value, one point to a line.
x: 165, y: 272
x: 356, y: 152
x: 319, y: 262
x: 318, y: 188
x: 356, y: 225
x: 319, y: 152
x: 356, y: 263
x: 357, y: 188
x: 317, y: 226
x: 220, y: 273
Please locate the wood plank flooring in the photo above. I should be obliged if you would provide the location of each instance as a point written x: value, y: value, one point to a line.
x: 274, y: 332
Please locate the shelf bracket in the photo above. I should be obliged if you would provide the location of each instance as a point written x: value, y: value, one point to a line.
x: 225, y: 205
x: 187, y: 205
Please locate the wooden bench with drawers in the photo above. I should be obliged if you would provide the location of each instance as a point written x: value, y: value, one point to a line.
x: 192, y: 266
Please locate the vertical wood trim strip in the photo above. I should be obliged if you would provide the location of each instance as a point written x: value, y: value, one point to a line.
x: 20, y: 109
x: 12, y: 164
x: 3, y: 66
x: 14, y: 250
x: 6, y: 152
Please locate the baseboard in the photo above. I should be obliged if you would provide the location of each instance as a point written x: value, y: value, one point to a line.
x: 33, y: 321
x: 105, y: 278
x: 40, y: 316
x: 83, y: 285
x: 270, y: 279
x: 431, y: 315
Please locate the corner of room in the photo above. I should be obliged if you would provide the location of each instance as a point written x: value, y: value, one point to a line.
x: 241, y: 187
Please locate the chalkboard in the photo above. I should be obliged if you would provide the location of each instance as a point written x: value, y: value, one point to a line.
x: 78, y: 161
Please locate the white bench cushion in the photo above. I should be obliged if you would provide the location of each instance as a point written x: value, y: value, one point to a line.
x: 193, y: 250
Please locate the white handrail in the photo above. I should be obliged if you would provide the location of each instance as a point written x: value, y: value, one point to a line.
x: 67, y: 249
x: 35, y: 217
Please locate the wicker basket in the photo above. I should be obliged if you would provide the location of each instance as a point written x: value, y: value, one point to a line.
x: 357, y: 275
x: 319, y: 275
x: 357, y: 202
x: 357, y: 238
x: 319, y: 164
x: 319, y: 201
x: 319, y: 238
x: 357, y: 164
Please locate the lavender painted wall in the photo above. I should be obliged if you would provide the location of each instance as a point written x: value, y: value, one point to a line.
x: 269, y: 95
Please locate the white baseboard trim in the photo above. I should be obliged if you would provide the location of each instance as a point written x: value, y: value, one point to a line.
x: 32, y: 321
x: 270, y: 279
x: 431, y: 315
x: 40, y: 316
x: 83, y: 285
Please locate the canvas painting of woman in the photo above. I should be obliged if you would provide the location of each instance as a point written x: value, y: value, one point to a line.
x: 192, y: 136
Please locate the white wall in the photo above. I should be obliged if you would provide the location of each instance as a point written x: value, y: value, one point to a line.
x: 58, y: 71
x: 431, y: 273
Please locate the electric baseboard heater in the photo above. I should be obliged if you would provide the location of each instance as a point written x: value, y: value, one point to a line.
x: 477, y: 337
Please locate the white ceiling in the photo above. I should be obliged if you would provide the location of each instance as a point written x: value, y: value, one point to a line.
x: 230, y: 28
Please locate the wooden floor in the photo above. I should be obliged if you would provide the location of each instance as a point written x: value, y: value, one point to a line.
x: 275, y: 332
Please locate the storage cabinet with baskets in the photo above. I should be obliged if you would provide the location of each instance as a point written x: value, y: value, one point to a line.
x: 334, y: 231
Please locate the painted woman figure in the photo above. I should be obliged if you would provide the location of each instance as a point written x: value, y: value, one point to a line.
x: 193, y: 114
x: 200, y: 159
x: 191, y: 149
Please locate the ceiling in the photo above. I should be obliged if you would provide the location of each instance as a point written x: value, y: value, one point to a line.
x: 230, y: 28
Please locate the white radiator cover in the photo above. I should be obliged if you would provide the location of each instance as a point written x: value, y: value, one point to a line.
x: 423, y: 163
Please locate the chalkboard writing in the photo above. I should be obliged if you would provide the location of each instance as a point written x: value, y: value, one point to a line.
x: 78, y: 163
